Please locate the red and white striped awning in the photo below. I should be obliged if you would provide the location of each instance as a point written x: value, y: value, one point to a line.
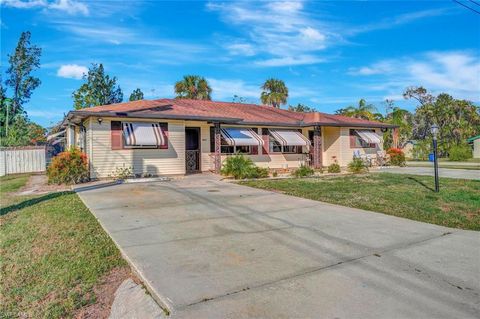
x: 143, y: 134
x: 235, y: 136
x: 369, y: 136
x: 289, y: 137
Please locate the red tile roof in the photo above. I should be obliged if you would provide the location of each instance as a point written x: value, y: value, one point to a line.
x: 221, y: 111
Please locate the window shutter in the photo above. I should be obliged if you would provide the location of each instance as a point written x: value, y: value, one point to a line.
x: 116, y: 135
x: 164, y: 127
x: 254, y: 149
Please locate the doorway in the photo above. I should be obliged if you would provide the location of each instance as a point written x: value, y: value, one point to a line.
x: 192, y: 149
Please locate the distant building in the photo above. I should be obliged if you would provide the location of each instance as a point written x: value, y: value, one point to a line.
x: 475, y: 142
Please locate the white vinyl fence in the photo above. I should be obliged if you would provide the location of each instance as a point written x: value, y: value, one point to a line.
x: 27, y: 159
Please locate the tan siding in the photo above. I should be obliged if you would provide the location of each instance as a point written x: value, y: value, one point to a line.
x: 346, y: 153
x: 331, y: 145
x: 142, y: 161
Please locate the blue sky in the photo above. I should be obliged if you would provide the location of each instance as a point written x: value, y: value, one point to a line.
x: 330, y: 54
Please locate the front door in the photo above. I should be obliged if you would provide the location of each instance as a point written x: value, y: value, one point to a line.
x: 192, y: 149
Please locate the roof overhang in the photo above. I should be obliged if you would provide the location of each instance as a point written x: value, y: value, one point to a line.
x: 77, y: 117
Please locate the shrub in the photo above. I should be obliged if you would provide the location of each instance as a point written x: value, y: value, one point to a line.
x: 257, y: 172
x: 334, y: 168
x: 121, y: 173
x: 303, y: 171
x: 357, y: 166
x: 397, y: 157
x: 70, y: 167
x: 274, y: 174
x: 460, y: 152
x: 240, y: 167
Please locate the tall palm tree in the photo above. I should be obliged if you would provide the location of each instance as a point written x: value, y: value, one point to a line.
x: 275, y: 93
x: 193, y: 87
x: 362, y: 111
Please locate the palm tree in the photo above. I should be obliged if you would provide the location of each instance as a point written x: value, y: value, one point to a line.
x: 193, y: 87
x: 362, y: 111
x: 275, y: 93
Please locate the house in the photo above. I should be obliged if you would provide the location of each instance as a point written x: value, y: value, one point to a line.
x: 179, y: 136
x: 407, y: 148
x: 475, y: 142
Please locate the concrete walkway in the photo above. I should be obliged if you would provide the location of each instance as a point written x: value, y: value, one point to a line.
x: 443, y: 172
x: 211, y: 249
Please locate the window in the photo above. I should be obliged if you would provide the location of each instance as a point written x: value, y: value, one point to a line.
x: 276, y: 147
x: 357, y: 142
x: 225, y: 148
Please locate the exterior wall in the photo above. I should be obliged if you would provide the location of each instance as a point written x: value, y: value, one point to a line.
x: 476, y: 148
x: 346, y: 153
x: 331, y: 145
x: 104, y: 160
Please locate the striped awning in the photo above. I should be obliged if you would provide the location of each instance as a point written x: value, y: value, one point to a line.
x: 289, y: 137
x: 143, y: 134
x: 369, y: 136
x: 235, y: 136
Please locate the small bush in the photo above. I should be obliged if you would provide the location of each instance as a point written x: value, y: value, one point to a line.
x: 70, y: 167
x: 121, y: 173
x: 334, y: 168
x: 240, y: 167
x: 274, y: 174
x: 397, y: 157
x: 303, y: 171
x: 357, y: 166
x: 257, y: 172
x: 461, y: 152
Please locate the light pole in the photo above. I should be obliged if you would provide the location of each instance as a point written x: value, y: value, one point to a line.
x: 435, y: 155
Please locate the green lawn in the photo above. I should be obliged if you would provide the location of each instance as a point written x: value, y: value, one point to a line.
x: 52, y: 253
x: 409, y: 196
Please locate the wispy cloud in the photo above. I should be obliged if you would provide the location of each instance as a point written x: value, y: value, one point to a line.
x: 398, y: 20
x: 71, y: 7
x: 455, y: 72
x: 72, y: 71
x: 225, y: 89
x: 281, y: 30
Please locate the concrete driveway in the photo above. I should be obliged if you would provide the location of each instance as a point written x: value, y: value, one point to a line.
x: 212, y: 249
x: 442, y: 172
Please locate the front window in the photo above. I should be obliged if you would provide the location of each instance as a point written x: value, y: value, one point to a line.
x: 358, y: 142
x: 230, y: 149
x: 276, y: 147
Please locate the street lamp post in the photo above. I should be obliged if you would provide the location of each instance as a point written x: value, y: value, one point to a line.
x: 435, y: 156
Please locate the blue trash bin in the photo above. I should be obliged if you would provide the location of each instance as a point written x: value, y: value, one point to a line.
x: 431, y: 158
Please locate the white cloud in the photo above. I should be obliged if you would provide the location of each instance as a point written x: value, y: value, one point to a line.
x: 19, y: 4
x: 376, y: 68
x: 241, y: 49
x: 225, y: 89
x: 397, y: 20
x: 70, y: 6
x: 456, y: 73
x: 284, y: 31
x: 72, y: 71
x: 289, y: 61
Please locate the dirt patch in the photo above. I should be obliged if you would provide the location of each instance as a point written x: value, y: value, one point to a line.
x: 38, y: 184
x: 105, y: 294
